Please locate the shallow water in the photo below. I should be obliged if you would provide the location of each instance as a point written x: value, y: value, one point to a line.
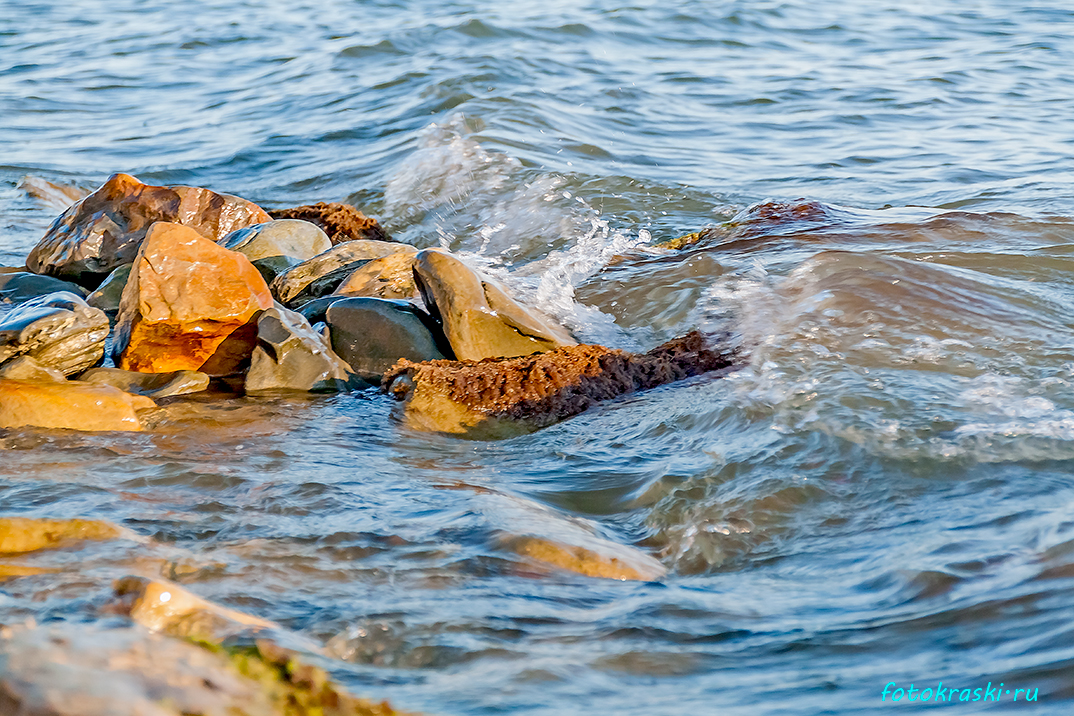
x: 882, y: 493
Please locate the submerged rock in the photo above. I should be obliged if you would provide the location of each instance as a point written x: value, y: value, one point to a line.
x: 372, y: 334
x: 105, y: 229
x: 109, y: 294
x: 59, y: 331
x: 598, y: 558
x: 500, y: 398
x: 151, y: 385
x: 290, y: 355
x: 189, y: 305
x: 19, y: 286
x: 342, y: 222
x: 389, y: 277
x: 72, y: 406
x: 323, y: 273
x: 19, y: 535
x: 480, y: 320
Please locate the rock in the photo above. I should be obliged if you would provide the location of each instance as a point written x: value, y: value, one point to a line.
x: 290, y: 355
x: 601, y: 558
x: 19, y: 286
x: 323, y: 273
x: 317, y: 310
x: 501, y: 398
x: 389, y: 277
x: 72, y: 406
x: 372, y: 334
x: 110, y: 292
x: 151, y: 385
x: 19, y: 535
x: 189, y: 305
x: 58, y: 331
x: 104, y: 230
x: 26, y: 368
x: 342, y: 222
x: 480, y: 320
x: 276, y: 246
x: 55, y: 195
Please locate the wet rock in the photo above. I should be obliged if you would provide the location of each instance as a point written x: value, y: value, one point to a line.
x: 324, y: 273
x: 276, y: 246
x: 19, y: 535
x: 53, y: 194
x: 26, y: 368
x: 372, y: 334
x: 109, y: 294
x: 189, y: 304
x: 480, y: 320
x: 500, y: 398
x: 19, y: 286
x: 151, y: 385
x: 317, y: 310
x: 290, y: 355
x: 388, y: 277
x: 59, y: 331
x: 599, y: 558
x: 70, y: 405
x: 104, y: 230
x: 342, y: 222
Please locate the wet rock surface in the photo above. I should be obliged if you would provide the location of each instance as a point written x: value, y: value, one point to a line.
x: 71, y: 406
x: 322, y: 274
x: 389, y: 277
x: 291, y: 355
x: 19, y: 286
x: 275, y: 246
x: 372, y: 334
x: 59, y: 331
x: 26, y: 368
x: 189, y: 304
x: 104, y: 230
x: 109, y: 294
x: 19, y: 535
x: 151, y: 385
x: 480, y: 320
x: 495, y: 398
x: 342, y: 222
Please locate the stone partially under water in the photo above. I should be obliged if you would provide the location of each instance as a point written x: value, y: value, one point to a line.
x: 59, y: 331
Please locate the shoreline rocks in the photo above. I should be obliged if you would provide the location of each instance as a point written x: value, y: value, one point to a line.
x: 372, y: 334
x: 70, y: 406
x: 323, y: 273
x: 290, y: 355
x: 59, y: 331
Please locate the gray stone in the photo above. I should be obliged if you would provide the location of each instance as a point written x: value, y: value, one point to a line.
x: 152, y: 385
x: 372, y: 334
x: 108, y: 294
x: 284, y: 237
x: 19, y: 286
x: 273, y: 266
x: 322, y: 274
x: 59, y: 331
x: 291, y: 355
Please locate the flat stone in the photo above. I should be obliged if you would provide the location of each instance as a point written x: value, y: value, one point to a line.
x: 71, y: 406
x: 480, y: 320
x: 109, y: 294
x: 322, y: 274
x: 19, y: 535
x: 189, y: 304
x: 26, y: 368
x: 59, y: 331
x: 501, y: 398
x: 291, y: 355
x: 104, y: 230
x: 297, y: 239
x: 151, y: 385
x: 372, y: 334
x: 54, y: 194
x: 389, y: 277
x: 19, y: 286
x: 342, y: 222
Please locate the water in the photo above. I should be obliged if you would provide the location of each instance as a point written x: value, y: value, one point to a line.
x: 882, y: 493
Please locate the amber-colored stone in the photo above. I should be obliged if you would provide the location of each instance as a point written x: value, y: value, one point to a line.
x: 389, y: 277
x: 72, y: 406
x: 611, y: 562
x: 24, y: 534
x: 104, y: 230
x: 342, y: 222
x: 189, y: 304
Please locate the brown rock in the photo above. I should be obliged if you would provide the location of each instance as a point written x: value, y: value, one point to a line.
x: 322, y: 274
x: 342, y: 222
x: 498, y: 398
x: 19, y: 535
x: 189, y: 304
x: 611, y: 561
x: 388, y: 277
x: 104, y: 230
x: 72, y: 406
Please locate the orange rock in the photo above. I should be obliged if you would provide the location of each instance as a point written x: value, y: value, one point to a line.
x: 69, y: 405
x: 189, y: 304
x: 104, y: 230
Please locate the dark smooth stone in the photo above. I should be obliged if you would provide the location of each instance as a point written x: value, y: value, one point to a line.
x: 108, y: 294
x: 372, y: 334
x: 19, y: 286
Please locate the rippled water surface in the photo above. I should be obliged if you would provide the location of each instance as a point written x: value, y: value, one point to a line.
x: 883, y: 492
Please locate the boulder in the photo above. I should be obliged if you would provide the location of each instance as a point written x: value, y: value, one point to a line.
x: 189, y: 305
x: 372, y: 334
x: 391, y: 276
x: 19, y: 286
x: 151, y: 385
x: 19, y: 535
x: 323, y: 273
x: 290, y: 355
x: 275, y: 246
x: 501, y: 398
x: 342, y: 222
x: 103, y: 230
x: 480, y: 320
x: 26, y: 368
x: 71, y: 406
x: 59, y: 331
x: 110, y: 292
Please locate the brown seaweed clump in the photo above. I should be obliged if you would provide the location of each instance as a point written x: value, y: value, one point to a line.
x: 495, y: 397
x: 342, y: 222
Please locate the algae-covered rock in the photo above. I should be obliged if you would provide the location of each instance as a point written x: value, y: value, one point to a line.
x: 342, y: 222
x: 373, y: 334
x: 290, y: 355
x: 323, y: 273
x: 70, y: 405
x: 19, y: 535
x: 152, y: 385
x: 59, y: 331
